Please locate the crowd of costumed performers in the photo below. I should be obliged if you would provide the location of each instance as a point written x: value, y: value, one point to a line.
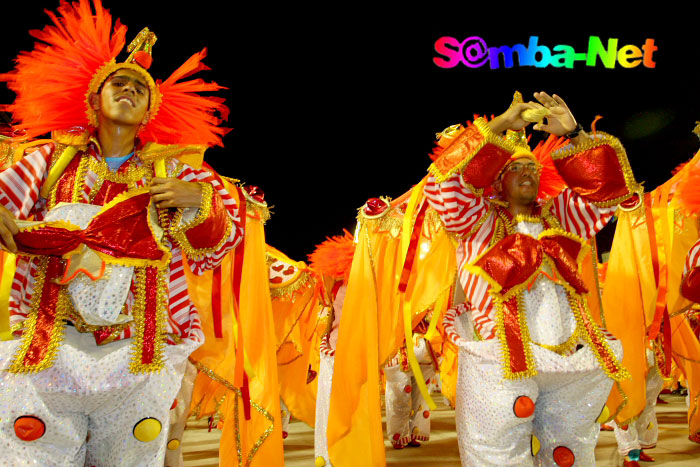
x: 137, y: 289
x: 512, y: 228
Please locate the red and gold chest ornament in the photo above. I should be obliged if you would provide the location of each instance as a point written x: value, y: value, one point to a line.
x: 512, y: 264
x: 74, y: 56
x: 56, y: 245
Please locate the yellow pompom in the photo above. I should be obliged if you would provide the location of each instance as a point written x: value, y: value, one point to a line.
x: 534, y: 445
x: 320, y: 461
x: 147, y: 430
x: 173, y: 444
x: 604, y: 415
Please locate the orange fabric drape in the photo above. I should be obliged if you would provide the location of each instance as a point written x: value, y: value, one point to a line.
x: 258, y: 441
x: 371, y: 330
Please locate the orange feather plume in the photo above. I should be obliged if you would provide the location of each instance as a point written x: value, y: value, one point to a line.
x: 52, y: 81
x: 551, y: 183
x: 184, y: 116
x: 333, y: 257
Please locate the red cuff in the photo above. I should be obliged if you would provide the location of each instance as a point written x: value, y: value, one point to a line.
x: 598, y: 170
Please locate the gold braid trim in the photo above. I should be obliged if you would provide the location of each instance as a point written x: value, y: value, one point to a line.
x: 565, y: 347
x: 228, y: 385
x: 134, y: 172
x: 255, y: 208
x: 179, y: 231
x: 606, y: 140
x: 579, y: 306
x: 527, y: 218
x: 625, y: 401
x: 138, y: 311
x: 287, y: 290
x: 489, y: 137
x: 525, y: 332
x: 62, y: 310
x: 685, y: 358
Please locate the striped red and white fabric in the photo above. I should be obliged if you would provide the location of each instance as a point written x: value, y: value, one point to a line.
x: 693, y: 258
x: 325, y: 347
x: 449, y: 323
x: 19, y: 192
x: 472, y: 216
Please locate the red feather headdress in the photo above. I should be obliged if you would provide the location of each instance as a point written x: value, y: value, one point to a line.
x: 333, y: 257
x: 77, y: 53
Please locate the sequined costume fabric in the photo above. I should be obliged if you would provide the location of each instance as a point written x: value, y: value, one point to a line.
x: 643, y: 432
x: 531, y: 384
x: 407, y: 413
x: 88, y: 391
x: 568, y: 393
x: 323, y: 402
x: 93, y: 383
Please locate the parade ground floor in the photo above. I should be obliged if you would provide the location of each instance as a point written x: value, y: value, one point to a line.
x: 200, y: 446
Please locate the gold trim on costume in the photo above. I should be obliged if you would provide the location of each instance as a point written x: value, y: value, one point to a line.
x: 62, y: 310
x: 268, y: 431
x: 606, y: 140
x: 489, y: 137
x: 179, y: 231
x: 134, y: 172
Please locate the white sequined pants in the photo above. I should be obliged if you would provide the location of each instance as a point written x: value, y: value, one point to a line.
x: 89, y: 402
x: 569, y: 394
x: 323, y: 404
x: 643, y: 433
x: 407, y: 413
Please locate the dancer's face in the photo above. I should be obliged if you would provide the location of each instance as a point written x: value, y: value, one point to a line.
x: 520, y: 182
x: 124, y: 98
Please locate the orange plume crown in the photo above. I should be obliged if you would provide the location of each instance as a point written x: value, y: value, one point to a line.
x: 333, y: 257
x: 73, y: 57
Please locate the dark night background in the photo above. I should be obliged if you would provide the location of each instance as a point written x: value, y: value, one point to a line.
x: 331, y: 106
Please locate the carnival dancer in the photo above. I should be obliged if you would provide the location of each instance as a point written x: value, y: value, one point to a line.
x: 407, y: 412
x: 332, y: 260
x: 99, y: 302
x: 534, y: 368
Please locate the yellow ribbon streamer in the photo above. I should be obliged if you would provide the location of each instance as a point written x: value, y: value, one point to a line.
x: 8, y: 275
x: 437, y: 312
x: 404, y: 306
x: 159, y: 166
x: 57, y: 170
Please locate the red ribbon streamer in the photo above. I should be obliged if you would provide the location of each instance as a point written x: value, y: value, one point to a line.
x: 216, y: 302
x: 412, y: 248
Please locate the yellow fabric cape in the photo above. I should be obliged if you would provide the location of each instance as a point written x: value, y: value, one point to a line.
x: 631, y: 292
x: 371, y: 326
x: 296, y: 307
x: 255, y: 442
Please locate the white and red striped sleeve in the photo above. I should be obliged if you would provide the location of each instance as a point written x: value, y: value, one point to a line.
x: 690, y: 287
x: 20, y: 183
x: 206, y: 243
x: 459, y: 208
x: 579, y: 216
